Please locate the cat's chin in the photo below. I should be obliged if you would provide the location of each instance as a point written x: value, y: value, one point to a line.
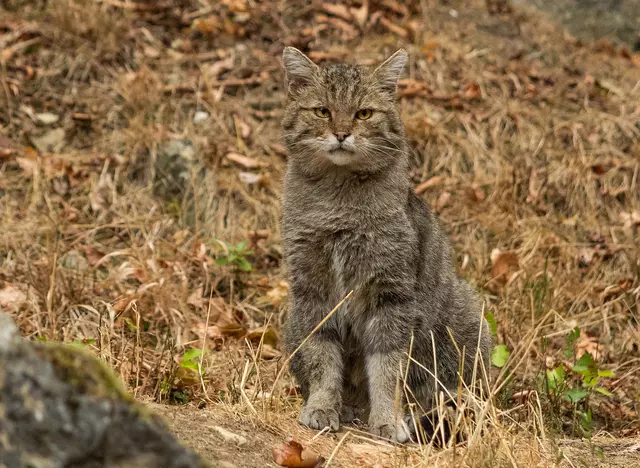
x: 340, y: 157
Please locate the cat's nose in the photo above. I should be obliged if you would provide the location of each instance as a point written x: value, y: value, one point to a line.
x: 341, y: 136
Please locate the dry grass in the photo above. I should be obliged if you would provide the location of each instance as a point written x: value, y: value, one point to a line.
x: 530, y: 141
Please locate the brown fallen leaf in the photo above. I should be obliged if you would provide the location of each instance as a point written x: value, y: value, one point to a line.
x: 196, y: 300
x: 396, y: 7
x: 448, y: 101
x: 615, y: 289
x: 268, y: 335
x: 244, y: 161
x: 101, y: 195
x: 429, y: 183
x: 251, y: 178
x: 217, y: 68
x: 630, y: 218
x: 361, y: 14
x: 430, y: 47
x: 443, y: 201
x: 6, y: 147
x: 223, y: 322
x: 279, y: 149
x: 276, y: 296
x: 338, y: 10
x: 320, y: 56
x: 293, y: 455
x: 503, y: 265
x: 10, y: 296
x: 258, y: 234
x: 599, y: 169
x: 394, y: 28
x: 269, y: 352
x: 588, y: 344
x: 498, y: 7
x: 243, y: 129
x: 81, y: 117
x: 28, y: 166
x: 471, y: 91
x: 69, y: 213
x: 215, y: 332
x: 475, y: 193
x: 349, y: 31
x: 122, y: 304
x: 412, y: 88
x: 93, y: 255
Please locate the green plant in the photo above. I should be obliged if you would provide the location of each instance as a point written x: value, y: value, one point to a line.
x: 576, y: 385
x: 499, y: 353
x: 189, y: 359
x: 235, y: 256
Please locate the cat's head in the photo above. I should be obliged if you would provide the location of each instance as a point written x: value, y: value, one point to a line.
x: 342, y: 115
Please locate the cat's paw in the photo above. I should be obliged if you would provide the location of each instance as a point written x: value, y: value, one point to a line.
x: 349, y: 414
x: 395, y: 432
x: 319, y: 418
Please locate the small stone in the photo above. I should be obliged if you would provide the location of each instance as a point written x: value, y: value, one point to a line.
x: 52, y: 141
x: 250, y: 178
x: 73, y: 260
x: 200, y: 116
x: 182, y: 149
x: 226, y: 464
x: 230, y: 437
x: 47, y: 118
x: 176, y: 158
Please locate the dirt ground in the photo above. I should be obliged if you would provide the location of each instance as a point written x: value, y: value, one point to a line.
x: 140, y: 173
x: 199, y: 429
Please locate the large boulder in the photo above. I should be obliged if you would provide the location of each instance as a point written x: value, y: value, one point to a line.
x: 62, y: 407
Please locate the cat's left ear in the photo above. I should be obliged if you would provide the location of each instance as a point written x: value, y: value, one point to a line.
x: 390, y: 70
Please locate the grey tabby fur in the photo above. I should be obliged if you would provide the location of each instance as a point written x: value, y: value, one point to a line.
x: 351, y: 221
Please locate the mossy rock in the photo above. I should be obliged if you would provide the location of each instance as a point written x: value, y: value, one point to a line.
x: 62, y: 407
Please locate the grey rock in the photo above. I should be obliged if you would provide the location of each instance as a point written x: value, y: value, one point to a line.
x: 173, y: 166
x: 52, y: 141
x: 230, y: 437
x: 62, y: 407
x: 74, y: 260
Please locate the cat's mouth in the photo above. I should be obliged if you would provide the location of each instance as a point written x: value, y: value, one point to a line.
x: 341, y: 156
x: 342, y: 148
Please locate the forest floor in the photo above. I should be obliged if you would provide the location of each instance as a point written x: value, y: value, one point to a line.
x: 140, y: 174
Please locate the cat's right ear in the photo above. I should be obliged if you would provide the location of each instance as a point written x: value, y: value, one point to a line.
x: 299, y: 69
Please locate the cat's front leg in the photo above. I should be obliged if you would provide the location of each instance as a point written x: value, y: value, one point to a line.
x: 385, y: 392
x: 390, y: 317
x: 317, y: 363
x: 321, y: 361
x: 387, y: 337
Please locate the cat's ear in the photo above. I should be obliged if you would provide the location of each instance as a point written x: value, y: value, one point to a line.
x: 299, y: 69
x: 390, y: 70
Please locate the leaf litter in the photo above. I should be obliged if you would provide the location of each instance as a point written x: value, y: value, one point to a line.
x: 522, y: 138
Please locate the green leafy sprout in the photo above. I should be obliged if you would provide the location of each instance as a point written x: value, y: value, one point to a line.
x: 235, y: 256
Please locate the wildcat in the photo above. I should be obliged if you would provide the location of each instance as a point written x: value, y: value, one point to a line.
x: 351, y: 222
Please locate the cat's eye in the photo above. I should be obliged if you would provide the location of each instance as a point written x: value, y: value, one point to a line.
x: 322, y: 112
x: 364, y: 114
